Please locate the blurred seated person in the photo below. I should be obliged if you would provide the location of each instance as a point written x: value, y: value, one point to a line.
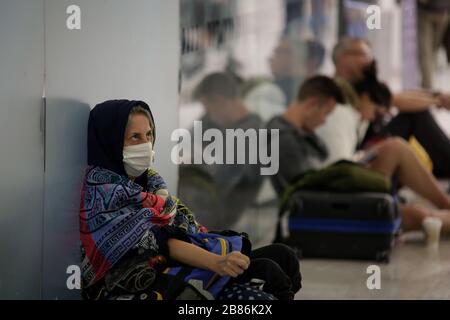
x: 220, y: 193
x: 292, y: 61
x: 351, y: 56
x: 302, y: 150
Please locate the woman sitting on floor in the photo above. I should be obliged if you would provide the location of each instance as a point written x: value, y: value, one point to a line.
x: 132, y: 229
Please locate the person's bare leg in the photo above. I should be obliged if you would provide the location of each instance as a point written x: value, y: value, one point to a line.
x: 413, y: 216
x: 396, y: 156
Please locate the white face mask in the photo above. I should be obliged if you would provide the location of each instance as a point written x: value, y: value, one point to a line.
x: 138, y: 158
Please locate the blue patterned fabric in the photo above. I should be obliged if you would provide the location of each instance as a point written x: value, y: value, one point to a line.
x: 116, y: 215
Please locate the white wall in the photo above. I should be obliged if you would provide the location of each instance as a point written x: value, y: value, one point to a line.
x: 125, y: 49
x: 21, y: 147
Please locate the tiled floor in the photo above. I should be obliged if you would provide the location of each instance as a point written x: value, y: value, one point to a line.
x: 414, y: 272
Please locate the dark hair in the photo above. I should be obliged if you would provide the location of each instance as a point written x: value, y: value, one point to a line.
x: 218, y: 84
x: 321, y: 87
x: 378, y: 92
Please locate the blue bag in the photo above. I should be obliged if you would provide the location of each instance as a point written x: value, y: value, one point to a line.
x: 205, y: 282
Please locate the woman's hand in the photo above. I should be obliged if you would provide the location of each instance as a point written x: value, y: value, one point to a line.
x: 233, y: 264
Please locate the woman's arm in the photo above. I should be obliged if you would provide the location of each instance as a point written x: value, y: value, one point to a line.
x: 233, y: 264
x: 414, y: 101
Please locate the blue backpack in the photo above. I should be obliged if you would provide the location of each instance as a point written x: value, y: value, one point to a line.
x: 186, y: 282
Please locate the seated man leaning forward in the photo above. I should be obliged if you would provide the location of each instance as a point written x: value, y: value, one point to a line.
x: 302, y: 150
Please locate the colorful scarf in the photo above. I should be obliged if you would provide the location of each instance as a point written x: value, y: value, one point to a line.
x: 117, y: 215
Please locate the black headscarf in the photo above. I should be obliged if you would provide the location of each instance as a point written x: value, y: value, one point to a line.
x: 106, y: 131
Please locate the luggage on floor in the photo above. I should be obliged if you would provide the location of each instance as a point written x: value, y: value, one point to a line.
x: 340, y: 225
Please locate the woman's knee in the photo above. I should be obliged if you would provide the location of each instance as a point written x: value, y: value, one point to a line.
x: 285, y: 257
x: 277, y: 282
x: 290, y: 264
x: 282, y: 254
x: 284, y: 250
x: 394, y: 148
x: 267, y: 270
x: 394, y: 143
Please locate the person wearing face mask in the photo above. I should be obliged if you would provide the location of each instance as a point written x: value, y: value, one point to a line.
x: 132, y: 229
x: 138, y: 158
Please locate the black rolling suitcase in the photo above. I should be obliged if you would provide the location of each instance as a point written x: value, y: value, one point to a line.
x: 340, y: 225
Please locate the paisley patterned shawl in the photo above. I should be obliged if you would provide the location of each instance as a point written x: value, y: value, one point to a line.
x: 116, y: 215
